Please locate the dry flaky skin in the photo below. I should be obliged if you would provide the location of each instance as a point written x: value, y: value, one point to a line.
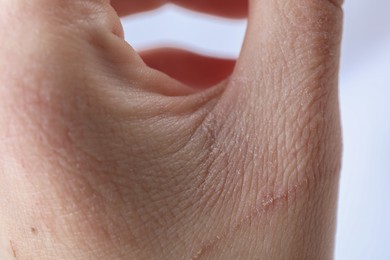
x: 104, y: 158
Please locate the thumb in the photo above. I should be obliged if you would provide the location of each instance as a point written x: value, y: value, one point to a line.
x: 290, y: 38
x: 282, y: 123
x: 286, y: 78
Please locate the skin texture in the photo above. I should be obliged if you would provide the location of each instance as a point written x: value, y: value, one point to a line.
x: 103, y: 157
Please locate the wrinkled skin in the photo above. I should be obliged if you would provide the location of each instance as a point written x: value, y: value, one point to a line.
x: 103, y: 157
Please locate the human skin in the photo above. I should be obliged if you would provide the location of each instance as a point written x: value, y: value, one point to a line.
x: 103, y: 157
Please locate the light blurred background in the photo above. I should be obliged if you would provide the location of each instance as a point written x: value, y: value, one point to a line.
x: 363, y: 231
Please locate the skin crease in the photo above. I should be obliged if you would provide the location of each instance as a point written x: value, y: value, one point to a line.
x: 102, y: 157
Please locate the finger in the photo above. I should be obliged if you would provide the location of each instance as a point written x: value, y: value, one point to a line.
x: 189, y: 68
x: 283, y: 93
x: 291, y: 46
x: 289, y: 61
x: 229, y: 8
x: 125, y: 7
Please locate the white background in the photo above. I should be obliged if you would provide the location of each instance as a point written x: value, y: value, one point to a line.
x: 364, y: 209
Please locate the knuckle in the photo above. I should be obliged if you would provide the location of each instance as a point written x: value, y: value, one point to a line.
x: 60, y: 18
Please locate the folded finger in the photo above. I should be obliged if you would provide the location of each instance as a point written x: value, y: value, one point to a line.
x: 227, y: 8
x: 194, y: 70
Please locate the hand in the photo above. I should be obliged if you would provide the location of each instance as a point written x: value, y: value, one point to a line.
x: 103, y: 157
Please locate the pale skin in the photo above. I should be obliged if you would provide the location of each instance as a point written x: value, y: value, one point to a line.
x: 103, y: 157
